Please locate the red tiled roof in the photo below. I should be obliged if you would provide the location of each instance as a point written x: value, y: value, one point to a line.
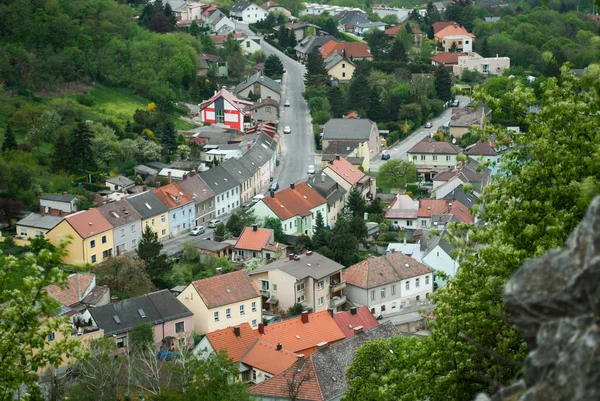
x: 431, y: 146
x: 297, y: 336
x: 264, y: 356
x: 351, y: 49
x: 346, y: 170
x: 352, y: 114
x: 270, y: 4
x: 226, y: 289
x: 88, y: 223
x: 416, y: 31
x: 393, y: 31
x: 294, y: 202
x: 172, y: 195
x: 277, y: 386
x: 236, y: 347
x: 429, y: 207
x: 453, y: 30
x: 74, y: 290
x: 447, y: 58
x: 254, y: 240
x: 327, y: 48
x: 219, y: 39
x: 438, y: 26
x: 382, y: 270
x: 346, y: 321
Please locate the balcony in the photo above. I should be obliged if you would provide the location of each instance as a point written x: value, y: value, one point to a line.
x: 337, y: 285
x: 265, y: 293
x: 337, y: 301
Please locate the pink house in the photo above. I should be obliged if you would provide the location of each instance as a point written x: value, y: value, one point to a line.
x: 173, y: 322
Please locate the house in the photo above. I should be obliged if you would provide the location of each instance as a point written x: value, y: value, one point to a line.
x: 127, y: 225
x: 276, y: 9
x: 471, y: 171
x: 300, y: 29
x: 383, y: 11
x: 266, y: 110
x: 454, y: 34
x: 247, y: 12
x: 250, y: 44
x: 171, y: 320
x: 354, y: 318
x: 216, y: 249
x: 446, y: 59
x: 339, y: 68
x: 224, y: 300
x: 204, y: 199
x: 467, y: 198
x: 485, y: 151
x: 491, y: 4
x: 439, y: 256
x: 310, y: 279
x: 80, y: 293
x: 58, y: 205
x: 36, y: 224
x: 296, y: 207
x: 247, y: 179
x: 323, y: 374
x: 258, y: 243
x: 356, y: 152
x: 342, y: 129
x: 213, y: 64
x: 259, y: 85
x: 389, y: 283
x: 258, y: 159
x: 119, y: 183
x: 353, y: 50
x: 154, y: 213
x: 318, y: 9
x: 348, y: 19
x: 181, y: 207
x: 432, y: 157
x: 332, y: 191
x: 145, y: 172
x: 91, y: 237
x: 350, y: 177
x: 366, y: 27
x: 484, y: 65
x: 305, y: 334
x: 403, y: 212
x: 219, y: 39
x: 225, y: 187
x: 464, y: 118
x: 222, y: 25
x: 438, y: 26
x: 417, y: 34
x: 224, y: 108
x: 433, y: 212
x: 415, y: 251
x: 309, y: 44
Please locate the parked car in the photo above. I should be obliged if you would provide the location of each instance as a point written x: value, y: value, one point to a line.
x: 385, y: 156
x: 214, y: 223
x: 287, y: 130
x: 257, y: 197
x: 287, y: 103
x: 197, y: 230
x: 311, y: 169
x: 455, y: 103
x: 428, y: 125
x: 274, y: 186
x: 247, y: 205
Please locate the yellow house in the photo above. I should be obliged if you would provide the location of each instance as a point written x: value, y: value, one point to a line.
x: 339, y: 67
x: 155, y: 214
x: 36, y: 224
x: 83, y: 336
x: 223, y: 301
x: 91, y: 237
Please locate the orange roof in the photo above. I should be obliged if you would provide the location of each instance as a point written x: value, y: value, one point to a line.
x: 428, y: 207
x: 226, y: 289
x: 277, y: 386
x: 438, y: 26
x: 88, y: 223
x: 351, y: 49
x: 328, y: 47
x: 294, y: 202
x: 453, y: 30
x: 393, y: 31
x: 254, y: 240
x: 297, y: 336
x: 236, y: 347
x: 347, y: 321
x: 352, y: 114
x: 172, y: 195
x: 73, y: 292
x: 264, y: 356
x: 346, y: 170
x: 447, y: 58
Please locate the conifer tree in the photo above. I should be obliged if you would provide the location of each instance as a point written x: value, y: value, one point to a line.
x: 10, y: 142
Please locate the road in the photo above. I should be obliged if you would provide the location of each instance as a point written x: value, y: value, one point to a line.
x: 174, y: 245
x: 298, y: 147
x: 398, y: 150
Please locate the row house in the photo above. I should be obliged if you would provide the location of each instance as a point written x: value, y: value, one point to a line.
x: 225, y: 187
x: 244, y: 177
x: 259, y: 85
x: 180, y: 206
x: 350, y: 177
x: 58, y: 205
x: 127, y: 225
x: 154, y: 213
x: 204, y: 199
x: 333, y: 192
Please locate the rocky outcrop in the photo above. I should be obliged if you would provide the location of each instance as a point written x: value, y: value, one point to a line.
x: 555, y: 302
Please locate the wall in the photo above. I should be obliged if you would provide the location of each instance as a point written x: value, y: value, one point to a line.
x: 84, y: 341
x: 227, y: 201
x: 159, y: 224
x: 205, y: 212
x: 429, y: 160
x: 167, y: 329
x: 249, y: 46
x: 180, y: 219
x: 253, y: 14
x: 286, y: 291
x: 266, y: 113
x: 495, y: 65
x: 126, y: 235
x: 342, y: 71
x: 67, y: 207
x: 79, y: 250
x: 458, y: 132
x: 232, y: 116
x: 261, y: 210
x: 464, y: 43
x: 30, y: 232
x: 439, y: 260
x: 263, y: 92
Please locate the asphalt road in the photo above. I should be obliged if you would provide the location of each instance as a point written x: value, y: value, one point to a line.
x: 298, y: 146
x: 174, y: 245
x: 398, y: 151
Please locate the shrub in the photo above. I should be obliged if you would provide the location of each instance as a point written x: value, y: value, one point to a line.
x: 84, y: 99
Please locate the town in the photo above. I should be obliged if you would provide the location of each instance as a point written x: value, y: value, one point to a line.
x: 219, y: 200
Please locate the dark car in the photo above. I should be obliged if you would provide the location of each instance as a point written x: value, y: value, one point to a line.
x: 385, y: 156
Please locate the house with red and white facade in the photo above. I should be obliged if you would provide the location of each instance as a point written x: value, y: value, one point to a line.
x: 226, y: 109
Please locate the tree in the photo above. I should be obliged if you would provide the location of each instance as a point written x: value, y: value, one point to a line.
x: 331, y: 27
x: 443, y: 83
x: 375, y: 207
x: 207, y: 45
x: 125, y: 276
x: 320, y: 237
x: 142, y: 336
x: 29, y: 316
x: 240, y: 220
x: 375, y: 111
x: 396, y: 173
x: 156, y: 263
x: 359, y: 94
x: 273, y: 67
x: 220, y: 231
x: 275, y: 224
x: 335, y: 96
x: 378, y: 41
x: 195, y: 29
x: 160, y: 23
x: 10, y: 142
x: 342, y: 242
x: 303, y: 243
x: 397, y: 51
x: 316, y: 73
x: 168, y: 134
x: 237, y: 64
x: 80, y: 151
x: 356, y: 203
x: 295, y: 310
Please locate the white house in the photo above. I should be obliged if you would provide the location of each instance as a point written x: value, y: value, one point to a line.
x: 403, y: 212
x: 383, y: 11
x: 225, y: 187
x: 250, y: 44
x: 487, y: 153
x: 247, y: 12
x: 439, y: 257
x: 389, y: 283
x: 432, y: 157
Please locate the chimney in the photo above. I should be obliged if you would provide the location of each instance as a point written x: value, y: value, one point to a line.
x: 185, y: 176
x: 322, y: 177
x: 42, y: 210
x: 321, y: 345
x: 358, y: 329
x: 353, y: 310
x: 261, y: 328
x: 170, y: 177
x: 272, y: 194
x: 279, y: 347
x: 236, y: 331
x: 449, y: 206
x: 255, y: 228
x: 144, y: 188
x: 300, y: 362
x: 291, y: 256
x: 249, y: 145
x: 219, y: 271
x: 330, y: 311
x: 193, y: 173
x: 65, y: 193
x: 304, y: 317
x: 392, y: 250
x: 292, y: 185
x: 114, y: 299
x: 337, y: 157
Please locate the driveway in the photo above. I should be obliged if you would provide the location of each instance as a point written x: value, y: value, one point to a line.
x: 399, y: 149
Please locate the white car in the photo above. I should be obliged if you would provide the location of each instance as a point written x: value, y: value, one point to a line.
x: 287, y: 130
x: 214, y: 223
x: 311, y: 169
x: 428, y: 125
x: 197, y: 230
x: 287, y: 103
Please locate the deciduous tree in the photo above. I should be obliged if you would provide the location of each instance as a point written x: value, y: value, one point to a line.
x: 125, y: 276
x: 275, y: 224
x: 396, y: 173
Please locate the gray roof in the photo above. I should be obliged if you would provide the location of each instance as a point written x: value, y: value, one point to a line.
x: 147, y: 204
x: 218, y: 179
x: 332, y: 60
x: 121, y: 181
x: 326, y: 187
x: 216, y: 135
x: 466, y: 116
x: 332, y: 363
x: 119, y: 213
x: 348, y: 128
x: 197, y: 189
x: 58, y: 198
x: 238, y: 170
x: 158, y: 307
x: 309, y: 43
x: 342, y: 148
x: 260, y: 78
x: 352, y: 17
x: 240, y: 6
x: 459, y: 194
x: 157, y: 165
x: 255, y: 158
x: 212, y: 246
x: 38, y: 221
x: 140, y: 168
x: 443, y: 240
x: 370, y: 24
x: 320, y: 266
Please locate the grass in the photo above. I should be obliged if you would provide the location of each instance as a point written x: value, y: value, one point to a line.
x: 386, y: 189
x: 115, y: 104
x: 350, y: 38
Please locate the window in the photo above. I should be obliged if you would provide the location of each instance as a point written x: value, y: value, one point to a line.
x: 320, y: 301
x: 183, y: 226
x: 216, y: 316
x: 51, y: 337
x: 343, y: 65
x: 152, y: 222
x: 485, y: 68
x: 393, y: 305
x: 162, y: 219
x: 104, y: 239
x: 264, y: 285
x: 179, y: 327
x: 106, y: 254
x: 242, y: 310
x: 423, y: 223
x: 38, y: 233
x: 394, y: 289
x: 301, y: 299
x: 383, y: 308
x: 426, y: 280
x: 183, y: 212
x: 300, y: 287
x: 417, y: 298
x: 274, y: 287
x: 417, y: 283
x: 173, y: 216
x: 228, y: 313
x: 427, y: 295
x: 267, y: 377
x: 254, y: 375
x: 122, y: 232
x: 133, y: 228
x: 253, y: 322
x: 372, y: 295
x: 121, y: 342
x: 408, y: 285
x: 253, y: 306
x: 23, y: 231
x: 409, y: 223
x: 422, y: 157
x: 164, y: 232
x: 134, y: 243
x: 460, y: 42
x: 320, y: 285
x: 220, y: 116
x: 93, y: 258
x: 267, y: 109
x: 447, y: 158
x: 373, y: 310
x: 434, y: 158
x: 466, y: 42
x: 383, y: 293
x: 93, y: 243
x: 343, y: 75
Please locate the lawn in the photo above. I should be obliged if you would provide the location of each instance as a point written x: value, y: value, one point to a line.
x: 115, y: 104
x: 350, y: 38
x: 384, y: 188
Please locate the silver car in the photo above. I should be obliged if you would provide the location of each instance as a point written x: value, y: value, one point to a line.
x: 311, y: 169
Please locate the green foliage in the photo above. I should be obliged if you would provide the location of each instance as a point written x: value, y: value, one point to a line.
x: 343, y: 241
x: 335, y: 96
x: 240, y: 220
x: 125, y: 276
x: 156, y: 263
x: 316, y: 73
x: 443, y: 83
x: 320, y: 237
x: 142, y: 336
x: 273, y: 67
x: 358, y: 95
x: 220, y: 230
x: 378, y: 41
x: 396, y: 173
x: 275, y: 224
x: 10, y: 142
x: 303, y: 243
x: 356, y: 203
x: 295, y: 310
x: 81, y: 156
